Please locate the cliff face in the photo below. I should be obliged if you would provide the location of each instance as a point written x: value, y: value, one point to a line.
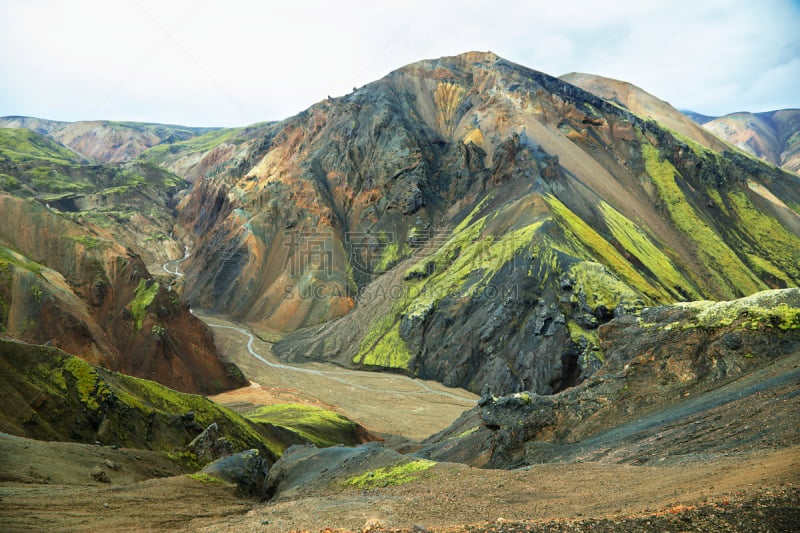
x: 679, y: 379
x: 481, y: 219
x: 86, y: 294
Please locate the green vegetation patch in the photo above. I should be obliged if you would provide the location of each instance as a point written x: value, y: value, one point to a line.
x: 151, y: 397
x: 319, y: 426
x: 205, y: 478
x: 143, y: 297
x: 462, y: 267
x: 730, y: 274
x: 89, y: 242
x: 391, y: 475
x: 780, y: 246
x: 10, y: 257
x: 589, y: 244
x: 201, y: 143
x: 92, y: 390
x: 601, y: 286
x: 20, y: 144
x: 637, y: 242
x: 767, y: 309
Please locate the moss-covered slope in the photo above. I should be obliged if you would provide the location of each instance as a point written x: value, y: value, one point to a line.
x: 50, y: 395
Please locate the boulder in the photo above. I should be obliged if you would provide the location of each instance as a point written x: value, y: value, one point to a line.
x: 248, y: 470
x: 210, y: 445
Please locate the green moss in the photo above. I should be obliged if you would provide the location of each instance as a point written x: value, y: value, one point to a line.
x: 48, y: 179
x: 201, y: 143
x: 462, y: 267
x: 466, y: 433
x: 763, y: 310
x: 10, y: 258
x: 89, y: 242
x: 149, y: 396
x: 186, y: 459
x: 91, y: 389
x: 391, y: 475
x: 389, y: 351
x: 205, y: 478
x: 143, y: 297
x: 638, y: 243
x: 319, y: 426
x: 20, y: 144
x: 391, y: 254
x: 576, y: 332
x: 779, y: 247
x: 588, y: 244
x: 731, y: 276
x: 763, y: 268
x: 600, y: 286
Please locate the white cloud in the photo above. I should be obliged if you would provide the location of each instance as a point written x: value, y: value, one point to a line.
x: 237, y: 62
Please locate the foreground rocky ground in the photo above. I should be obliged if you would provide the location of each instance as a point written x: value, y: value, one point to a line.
x: 755, y: 492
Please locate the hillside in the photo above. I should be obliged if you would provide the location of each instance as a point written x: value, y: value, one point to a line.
x: 70, y: 274
x: 645, y: 105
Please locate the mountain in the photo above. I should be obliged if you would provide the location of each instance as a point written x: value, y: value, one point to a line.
x: 473, y: 221
x: 618, y: 285
x: 698, y: 117
x: 773, y: 136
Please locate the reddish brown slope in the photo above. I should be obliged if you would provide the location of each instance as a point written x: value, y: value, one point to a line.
x: 82, y: 292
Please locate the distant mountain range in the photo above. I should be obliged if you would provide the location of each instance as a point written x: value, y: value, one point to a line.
x: 773, y: 136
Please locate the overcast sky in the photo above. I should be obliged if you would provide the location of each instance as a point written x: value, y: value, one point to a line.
x: 237, y: 62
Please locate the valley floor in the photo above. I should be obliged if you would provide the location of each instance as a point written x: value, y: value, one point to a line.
x: 384, y: 403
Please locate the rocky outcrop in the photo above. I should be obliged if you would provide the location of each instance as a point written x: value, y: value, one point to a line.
x: 210, y: 445
x: 669, y: 355
x: 248, y: 470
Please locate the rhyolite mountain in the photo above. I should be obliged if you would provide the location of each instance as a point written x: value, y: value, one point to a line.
x: 470, y: 220
x: 773, y: 136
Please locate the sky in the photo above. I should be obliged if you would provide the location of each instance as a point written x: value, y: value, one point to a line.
x: 237, y: 62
